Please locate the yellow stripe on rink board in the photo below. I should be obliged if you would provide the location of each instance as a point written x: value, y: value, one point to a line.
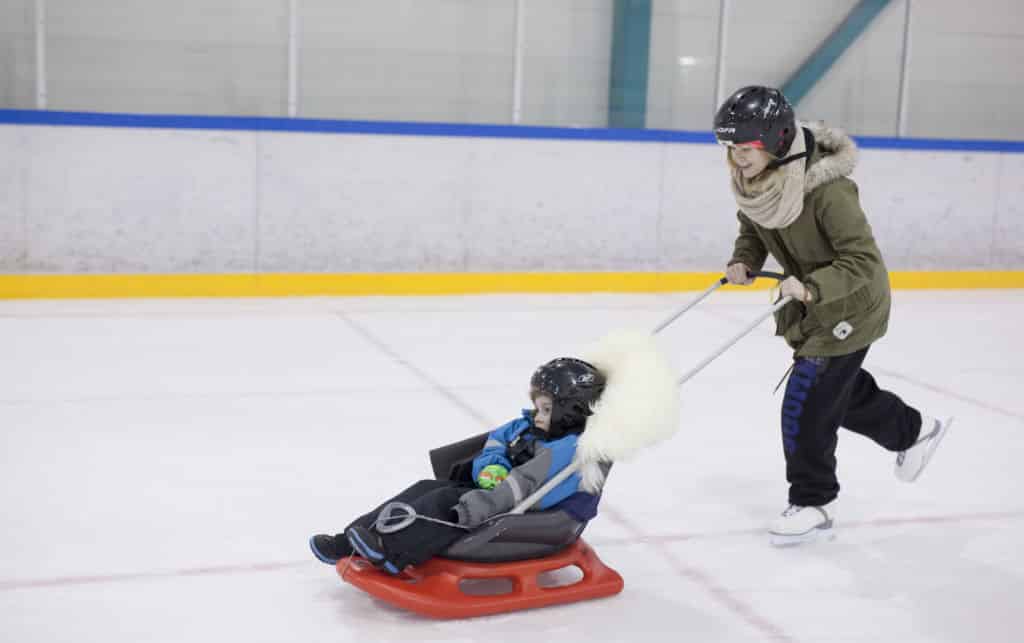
x: 965, y: 280
x: 358, y: 284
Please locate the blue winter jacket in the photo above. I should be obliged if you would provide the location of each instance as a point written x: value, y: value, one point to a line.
x: 549, y: 457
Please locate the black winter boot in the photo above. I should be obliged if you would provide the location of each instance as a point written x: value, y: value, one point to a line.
x: 367, y: 543
x: 329, y: 549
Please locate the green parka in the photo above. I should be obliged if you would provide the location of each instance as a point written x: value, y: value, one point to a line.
x: 831, y: 249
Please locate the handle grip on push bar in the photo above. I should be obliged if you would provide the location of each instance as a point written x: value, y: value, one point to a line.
x: 753, y: 274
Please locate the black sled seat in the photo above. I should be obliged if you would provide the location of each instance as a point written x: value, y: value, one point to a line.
x: 519, y: 549
x: 534, y: 534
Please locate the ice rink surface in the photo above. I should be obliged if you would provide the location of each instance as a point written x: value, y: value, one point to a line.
x: 165, y: 461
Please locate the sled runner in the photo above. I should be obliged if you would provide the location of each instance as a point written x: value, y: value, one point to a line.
x: 436, y: 588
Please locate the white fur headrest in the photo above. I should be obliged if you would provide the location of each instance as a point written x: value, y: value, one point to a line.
x: 640, y: 403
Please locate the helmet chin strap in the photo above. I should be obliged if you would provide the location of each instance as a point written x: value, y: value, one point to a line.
x: 809, y: 144
x: 777, y: 163
x: 558, y: 431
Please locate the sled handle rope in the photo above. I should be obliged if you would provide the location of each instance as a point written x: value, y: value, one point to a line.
x: 576, y: 465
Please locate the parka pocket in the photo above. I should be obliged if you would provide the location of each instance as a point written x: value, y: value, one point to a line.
x: 788, y: 317
x: 794, y: 323
x: 851, y: 306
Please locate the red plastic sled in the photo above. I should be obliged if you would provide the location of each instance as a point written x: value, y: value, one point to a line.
x: 433, y: 588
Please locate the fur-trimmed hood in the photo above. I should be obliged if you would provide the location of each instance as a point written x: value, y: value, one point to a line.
x: 835, y: 155
x: 639, y: 406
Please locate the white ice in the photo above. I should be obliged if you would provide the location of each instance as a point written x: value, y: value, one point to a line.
x: 163, y: 463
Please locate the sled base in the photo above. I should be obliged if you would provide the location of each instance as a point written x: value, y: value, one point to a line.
x: 434, y: 588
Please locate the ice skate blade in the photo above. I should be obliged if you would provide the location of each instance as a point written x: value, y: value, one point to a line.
x: 930, y: 451
x: 818, y: 534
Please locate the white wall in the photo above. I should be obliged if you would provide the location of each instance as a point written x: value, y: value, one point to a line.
x: 407, y: 60
x: 683, y: 60
x: 185, y: 57
x: 966, y: 79
x: 567, y: 49
x: 454, y: 60
x: 96, y: 200
x: 861, y: 90
x: 17, y: 54
x: 766, y: 42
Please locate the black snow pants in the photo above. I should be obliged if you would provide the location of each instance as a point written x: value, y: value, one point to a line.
x: 423, y: 539
x: 823, y: 394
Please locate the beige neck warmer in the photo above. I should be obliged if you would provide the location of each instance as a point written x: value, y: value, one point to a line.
x: 774, y: 198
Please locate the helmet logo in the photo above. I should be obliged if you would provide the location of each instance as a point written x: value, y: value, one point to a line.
x: 768, y: 107
x: 726, y: 130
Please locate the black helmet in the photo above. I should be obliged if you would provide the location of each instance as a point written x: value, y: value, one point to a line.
x: 757, y: 114
x: 574, y: 386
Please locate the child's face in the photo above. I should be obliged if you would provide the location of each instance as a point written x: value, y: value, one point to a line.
x: 751, y: 160
x: 542, y: 418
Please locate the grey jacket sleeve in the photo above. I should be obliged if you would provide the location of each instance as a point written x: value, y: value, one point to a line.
x: 478, y: 505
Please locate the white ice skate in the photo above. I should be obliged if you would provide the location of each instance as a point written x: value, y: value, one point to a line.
x: 797, y: 525
x: 910, y: 463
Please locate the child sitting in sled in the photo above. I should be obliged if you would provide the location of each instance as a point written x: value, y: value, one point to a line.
x: 622, y: 399
x: 516, y: 460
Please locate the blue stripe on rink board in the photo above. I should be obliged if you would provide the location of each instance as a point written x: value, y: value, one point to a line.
x: 273, y: 124
x: 397, y: 128
x: 940, y: 144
